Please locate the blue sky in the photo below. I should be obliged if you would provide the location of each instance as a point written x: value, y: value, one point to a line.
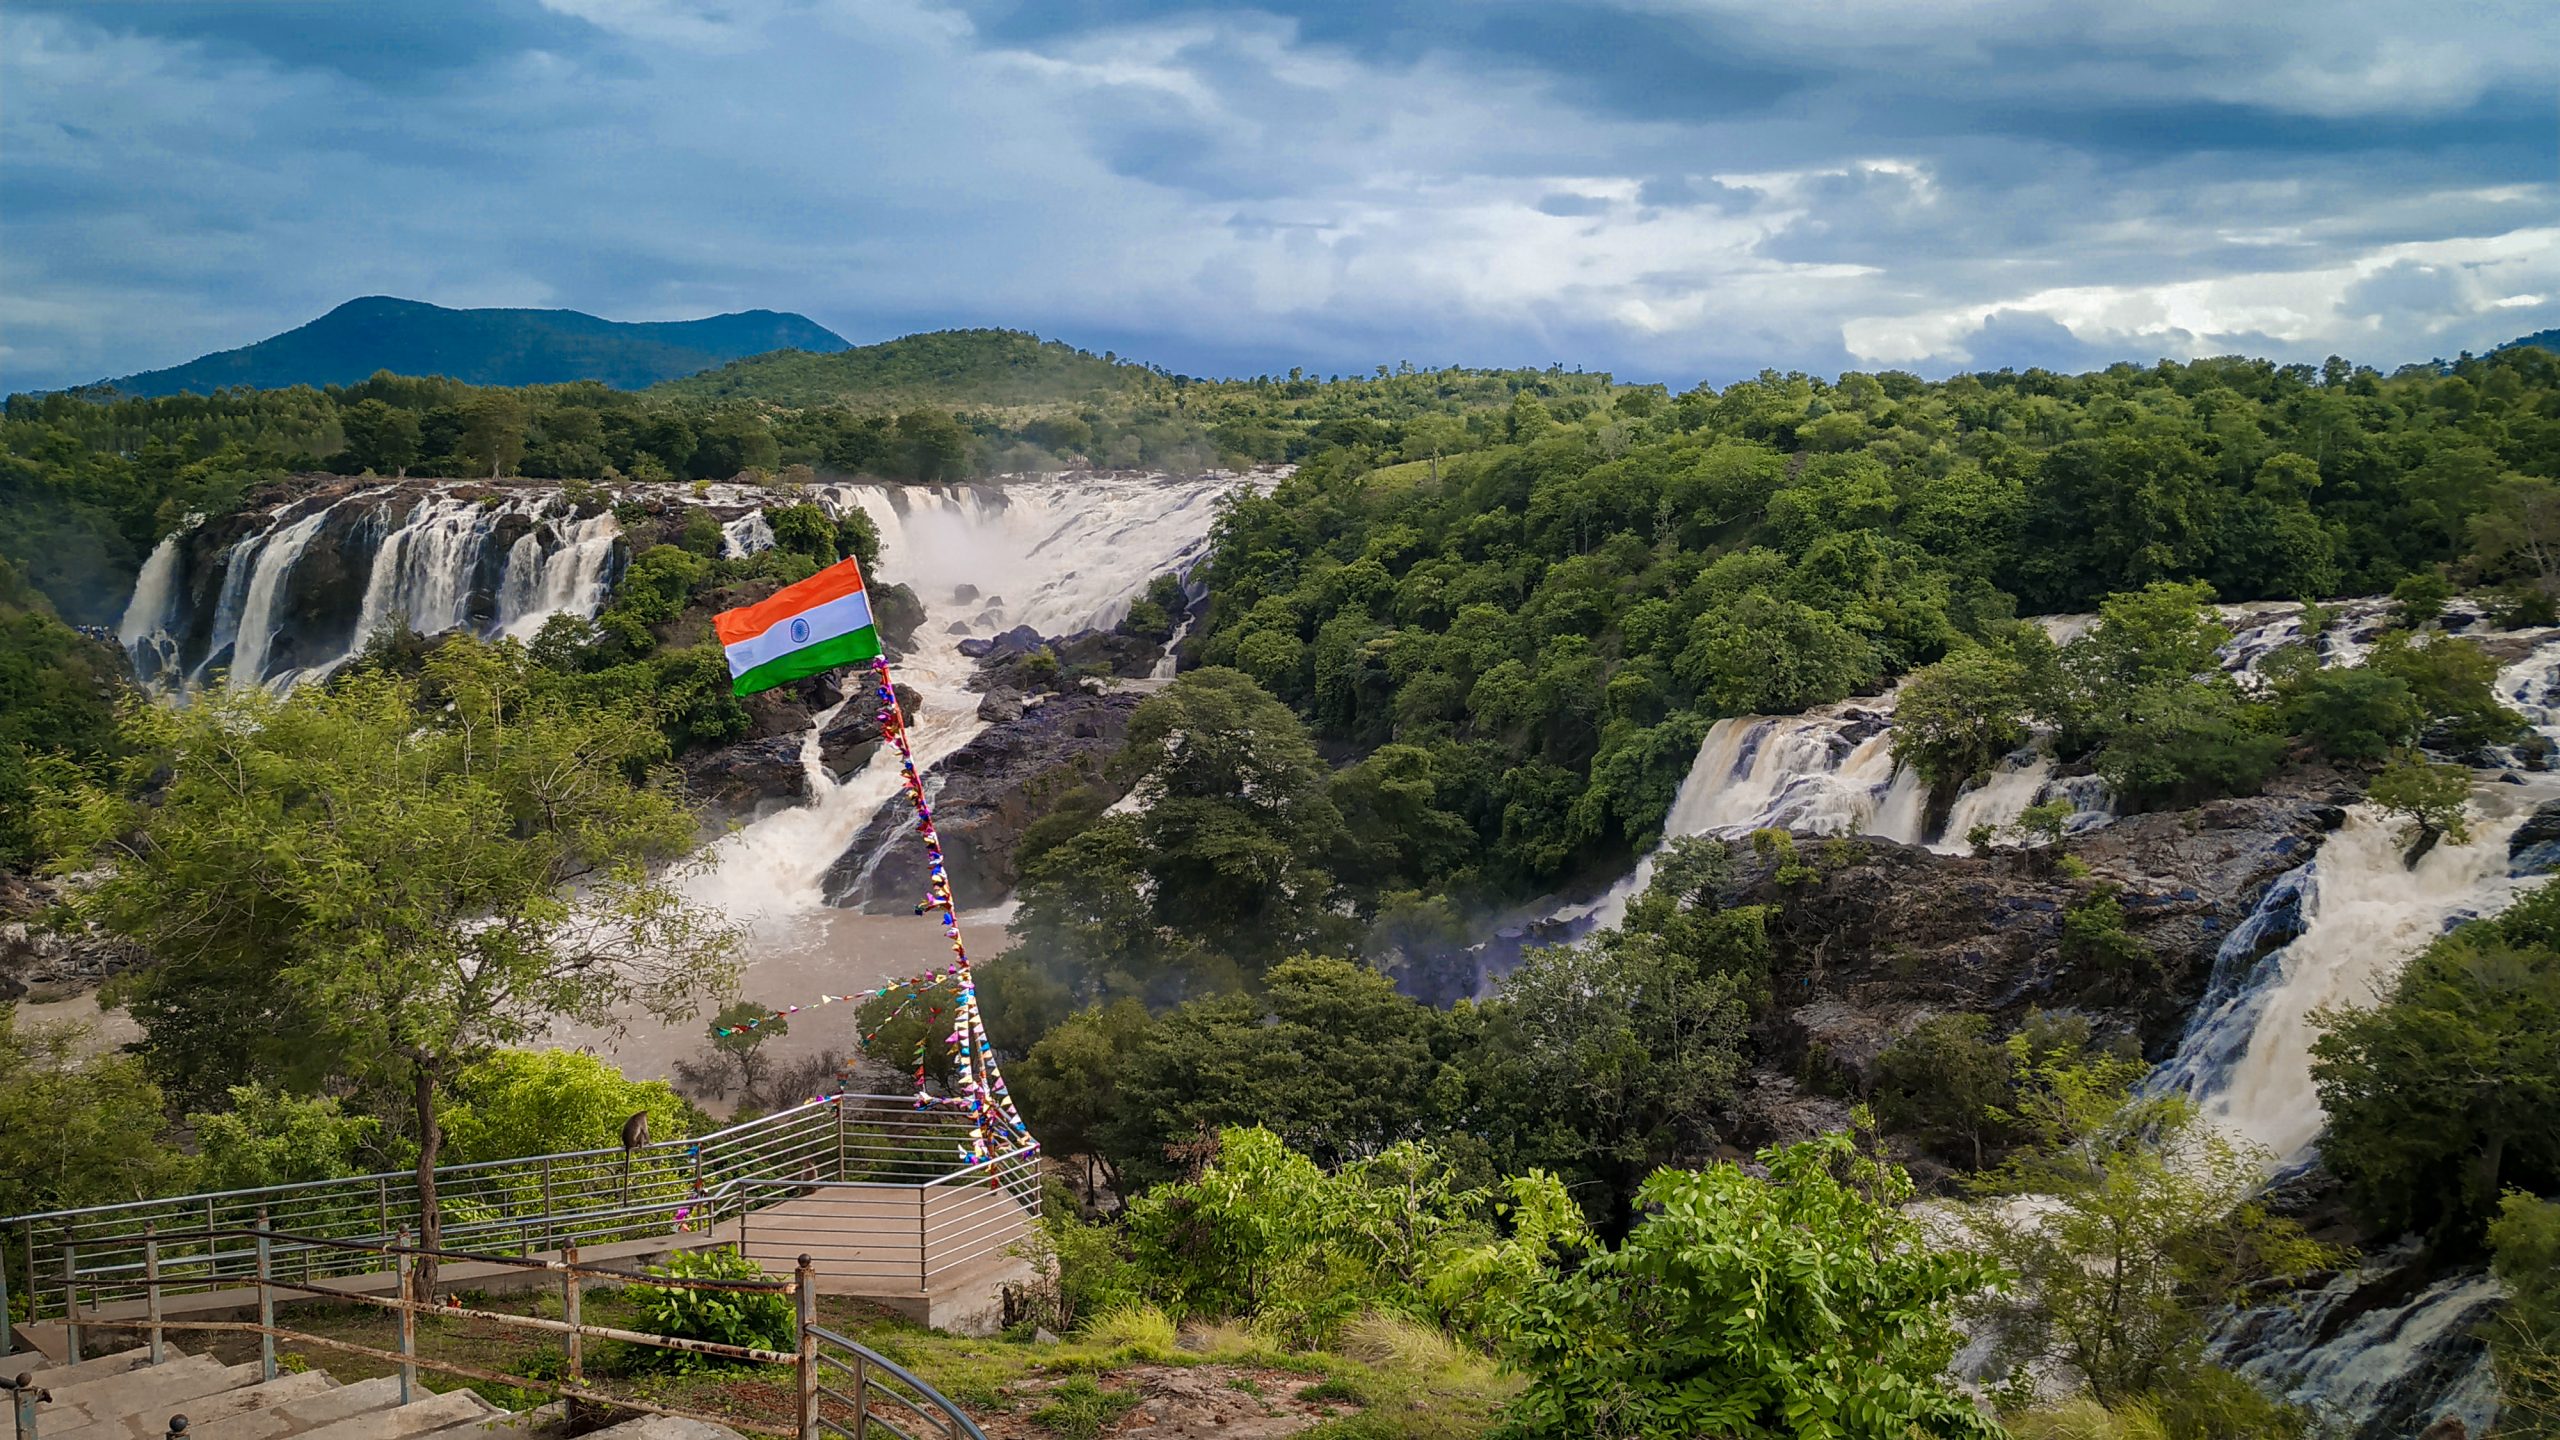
x: 1674, y: 190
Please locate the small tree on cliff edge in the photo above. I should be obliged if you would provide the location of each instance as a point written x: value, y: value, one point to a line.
x: 373, y: 885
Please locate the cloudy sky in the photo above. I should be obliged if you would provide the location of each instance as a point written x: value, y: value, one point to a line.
x: 1673, y: 190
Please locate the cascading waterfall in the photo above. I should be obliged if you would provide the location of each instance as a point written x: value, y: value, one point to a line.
x: 2334, y: 933
x: 145, y: 626
x: 1058, y: 555
x: 262, y: 610
x: 446, y: 558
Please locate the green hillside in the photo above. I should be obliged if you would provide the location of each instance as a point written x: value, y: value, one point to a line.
x: 483, y: 347
x: 944, y: 367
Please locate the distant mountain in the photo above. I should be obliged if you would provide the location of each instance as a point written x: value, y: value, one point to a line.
x: 944, y: 367
x: 2544, y: 339
x: 485, y: 347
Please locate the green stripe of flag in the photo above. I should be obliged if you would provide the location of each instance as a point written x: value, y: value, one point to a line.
x: 851, y: 648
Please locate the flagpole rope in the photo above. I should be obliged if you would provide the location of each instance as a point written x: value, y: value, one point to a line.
x: 975, y: 1076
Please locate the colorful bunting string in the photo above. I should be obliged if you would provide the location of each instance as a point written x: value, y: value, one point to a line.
x: 995, y: 1126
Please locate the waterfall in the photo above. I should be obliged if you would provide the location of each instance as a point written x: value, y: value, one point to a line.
x: 145, y: 626
x: 2334, y: 933
x: 1068, y: 553
x: 569, y: 577
x: 262, y: 610
x: 440, y: 558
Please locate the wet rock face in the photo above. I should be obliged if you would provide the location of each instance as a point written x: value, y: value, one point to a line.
x: 2535, y: 847
x: 33, y: 953
x: 1883, y: 934
x: 984, y: 796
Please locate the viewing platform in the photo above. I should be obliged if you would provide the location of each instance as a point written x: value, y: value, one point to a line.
x: 875, y: 1190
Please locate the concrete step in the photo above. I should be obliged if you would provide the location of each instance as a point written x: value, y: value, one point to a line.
x: 293, y: 1417
x: 153, y: 1423
x: 171, y: 1385
x: 500, y: 1425
x: 40, y: 1341
x: 54, y: 1376
x: 664, y: 1427
x: 421, y: 1417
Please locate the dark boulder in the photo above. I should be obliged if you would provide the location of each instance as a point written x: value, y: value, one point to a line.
x: 2535, y: 847
x: 984, y: 796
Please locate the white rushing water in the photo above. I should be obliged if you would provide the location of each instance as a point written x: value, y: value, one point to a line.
x: 1057, y: 554
x: 425, y: 559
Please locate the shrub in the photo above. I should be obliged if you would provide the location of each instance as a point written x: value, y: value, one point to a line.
x: 2185, y: 744
x: 1802, y: 1303
x: 761, y: 1319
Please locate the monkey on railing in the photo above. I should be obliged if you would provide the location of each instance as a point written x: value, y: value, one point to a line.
x: 635, y: 1134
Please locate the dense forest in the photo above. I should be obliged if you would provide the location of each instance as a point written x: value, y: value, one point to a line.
x: 1459, y: 658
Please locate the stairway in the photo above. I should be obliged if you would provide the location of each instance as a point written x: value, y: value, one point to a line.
x: 120, y: 1397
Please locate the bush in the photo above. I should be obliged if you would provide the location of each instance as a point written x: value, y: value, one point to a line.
x: 2355, y: 714
x: 2186, y: 744
x: 2441, y: 1098
x: 2524, y: 1341
x: 764, y: 1320
x: 1805, y: 1303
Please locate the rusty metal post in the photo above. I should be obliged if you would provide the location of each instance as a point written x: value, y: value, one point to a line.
x: 177, y: 1427
x: 27, y: 1395
x: 408, y: 1321
x: 861, y: 1396
x: 70, y: 1304
x: 266, y: 1303
x: 569, y: 1297
x: 151, y: 1286
x: 804, y: 1288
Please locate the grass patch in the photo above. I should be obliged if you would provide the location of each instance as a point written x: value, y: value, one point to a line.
x: 1080, y: 1408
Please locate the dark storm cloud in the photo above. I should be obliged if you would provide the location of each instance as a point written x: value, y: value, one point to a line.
x: 1668, y: 189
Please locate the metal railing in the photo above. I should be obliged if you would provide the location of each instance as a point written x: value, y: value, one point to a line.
x: 840, y: 1386
x: 908, y: 1193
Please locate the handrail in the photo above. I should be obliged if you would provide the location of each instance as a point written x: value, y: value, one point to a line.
x: 90, y: 1258
x: 876, y: 1379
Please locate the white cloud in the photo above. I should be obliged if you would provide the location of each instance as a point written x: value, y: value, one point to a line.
x: 1218, y: 185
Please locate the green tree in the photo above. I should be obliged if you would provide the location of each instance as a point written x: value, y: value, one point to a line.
x: 1761, y: 655
x: 1955, y: 719
x: 2434, y: 800
x: 2129, y: 1226
x: 1943, y: 1082
x: 2440, y: 1098
x: 2359, y: 713
x: 543, y: 1102
x: 76, y: 1128
x: 1071, y: 1079
x: 1805, y: 1303
x: 2524, y: 1341
x: 2184, y: 744
x: 493, y: 426
x: 268, y: 1136
x: 930, y: 446
x: 1604, y: 1062
x: 1226, y: 856
x: 386, y: 880
x: 380, y: 438
x: 733, y: 1055
x: 1329, y: 1057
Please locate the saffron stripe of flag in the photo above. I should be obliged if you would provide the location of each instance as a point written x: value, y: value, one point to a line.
x: 819, y: 624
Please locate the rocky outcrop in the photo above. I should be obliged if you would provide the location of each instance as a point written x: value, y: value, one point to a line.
x: 2535, y: 847
x: 1873, y: 936
x: 984, y: 796
x: 765, y: 772
x: 33, y: 952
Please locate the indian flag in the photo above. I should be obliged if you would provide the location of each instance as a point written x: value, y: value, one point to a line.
x: 818, y: 624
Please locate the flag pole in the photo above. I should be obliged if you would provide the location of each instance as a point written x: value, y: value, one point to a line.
x: 980, y: 1084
